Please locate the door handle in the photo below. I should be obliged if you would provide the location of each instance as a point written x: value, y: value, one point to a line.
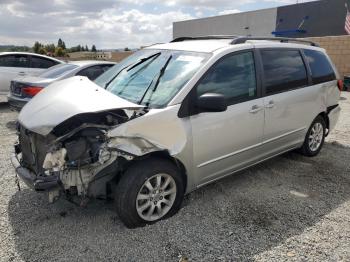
x: 22, y: 73
x: 255, y: 109
x: 271, y: 104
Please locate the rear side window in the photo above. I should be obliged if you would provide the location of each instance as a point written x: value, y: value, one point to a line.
x: 233, y: 76
x: 283, y: 70
x: 14, y: 61
x: 92, y: 72
x: 321, y: 69
x: 39, y: 62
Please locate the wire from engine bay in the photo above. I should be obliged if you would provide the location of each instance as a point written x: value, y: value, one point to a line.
x: 81, y: 179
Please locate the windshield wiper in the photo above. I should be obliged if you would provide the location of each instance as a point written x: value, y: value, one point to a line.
x: 131, y: 66
x: 160, y: 74
x: 142, y: 60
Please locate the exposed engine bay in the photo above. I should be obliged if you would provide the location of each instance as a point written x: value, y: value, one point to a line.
x: 75, y: 154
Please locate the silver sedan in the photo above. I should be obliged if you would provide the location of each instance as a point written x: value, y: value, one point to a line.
x: 24, y: 88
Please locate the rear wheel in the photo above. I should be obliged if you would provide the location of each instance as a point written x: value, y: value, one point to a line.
x: 150, y: 190
x: 314, y: 137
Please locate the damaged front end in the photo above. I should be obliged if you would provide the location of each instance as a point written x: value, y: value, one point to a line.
x: 68, y: 152
x: 76, y: 139
x: 74, y: 159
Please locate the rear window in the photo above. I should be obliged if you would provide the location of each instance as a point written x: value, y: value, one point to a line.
x: 58, y: 70
x: 283, y: 70
x: 40, y: 62
x: 321, y: 69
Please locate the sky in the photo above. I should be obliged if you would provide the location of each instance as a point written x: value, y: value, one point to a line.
x: 109, y: 23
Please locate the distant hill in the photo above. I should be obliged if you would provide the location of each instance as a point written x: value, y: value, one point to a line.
x: 13, y: 48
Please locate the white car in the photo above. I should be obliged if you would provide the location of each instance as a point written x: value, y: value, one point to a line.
x: 14, y: 64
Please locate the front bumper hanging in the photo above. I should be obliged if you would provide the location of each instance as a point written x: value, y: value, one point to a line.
x: 37, y: 183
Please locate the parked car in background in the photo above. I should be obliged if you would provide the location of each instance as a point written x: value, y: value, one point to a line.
x: 18, y: 64
x: 174, y: 118
x: 24, y: 88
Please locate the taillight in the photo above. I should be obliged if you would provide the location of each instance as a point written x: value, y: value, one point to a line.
x: 340, y: 85
x: 31, y: 90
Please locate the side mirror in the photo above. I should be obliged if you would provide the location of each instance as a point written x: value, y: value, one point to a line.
x: 211, y: 102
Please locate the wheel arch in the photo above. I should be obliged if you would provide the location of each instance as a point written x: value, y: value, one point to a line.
x: 163, y: 155
x: 324, y: 115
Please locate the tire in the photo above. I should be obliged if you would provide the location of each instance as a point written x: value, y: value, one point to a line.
x: 133, y: 184
x: 312, y: 149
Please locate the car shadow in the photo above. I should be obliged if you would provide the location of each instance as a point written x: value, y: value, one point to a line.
x: 4, y: 105
x: 235, y: 218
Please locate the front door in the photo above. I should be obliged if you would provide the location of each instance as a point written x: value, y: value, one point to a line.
x: 227, y: 141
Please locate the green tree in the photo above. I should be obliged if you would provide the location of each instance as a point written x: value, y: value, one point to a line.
x: 59, y: 52
x: 36, y: 47
x: 59, y: 42
x: 83, y: 48
x: 86, y: 48
x: 93, y: 48
x: 42, y: 50
x: 126, y: 49
x: 50, y: 48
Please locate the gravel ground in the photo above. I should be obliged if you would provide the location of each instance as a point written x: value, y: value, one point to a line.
x: 3, y: 98
x: 290, y: 208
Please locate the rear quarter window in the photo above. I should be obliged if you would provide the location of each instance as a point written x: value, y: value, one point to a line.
x: 321, y: 69
x: 92, y: 72
x: 40, y: 62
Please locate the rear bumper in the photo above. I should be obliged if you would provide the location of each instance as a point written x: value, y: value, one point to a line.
x: 17, y: 103
x: 37, y: 183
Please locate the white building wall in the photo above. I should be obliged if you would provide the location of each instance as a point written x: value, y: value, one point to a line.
x: 255, y: 23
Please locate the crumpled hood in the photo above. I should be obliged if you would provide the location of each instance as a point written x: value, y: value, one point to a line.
x: 64, y: 99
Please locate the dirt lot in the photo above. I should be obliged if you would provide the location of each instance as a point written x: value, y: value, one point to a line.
x: 289, y: 208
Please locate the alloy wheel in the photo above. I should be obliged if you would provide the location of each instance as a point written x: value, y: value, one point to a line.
x: 156, y: 197
x: 316, y: 136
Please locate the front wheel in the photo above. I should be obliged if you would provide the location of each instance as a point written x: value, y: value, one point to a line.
x: 314, y: 137
x: 148, y: 191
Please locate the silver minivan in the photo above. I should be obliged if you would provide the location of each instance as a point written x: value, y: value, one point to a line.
x: 175, y: 117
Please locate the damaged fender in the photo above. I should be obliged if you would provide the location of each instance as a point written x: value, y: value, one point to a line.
x: 155, y: 132
x: 150, y: 133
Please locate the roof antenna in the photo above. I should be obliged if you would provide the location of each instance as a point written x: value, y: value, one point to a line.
x: 303, y: 22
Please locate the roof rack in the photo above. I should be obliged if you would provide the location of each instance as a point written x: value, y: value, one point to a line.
x: 242, y: 40
x: 206, y: 37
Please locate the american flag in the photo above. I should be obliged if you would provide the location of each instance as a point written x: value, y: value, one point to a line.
x: 347, y: 20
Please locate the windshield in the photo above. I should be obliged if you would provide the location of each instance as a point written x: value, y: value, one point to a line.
x: 103, y: 79
x: 140, y: 77
x: 107, y: 76
x: 58, y: 70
